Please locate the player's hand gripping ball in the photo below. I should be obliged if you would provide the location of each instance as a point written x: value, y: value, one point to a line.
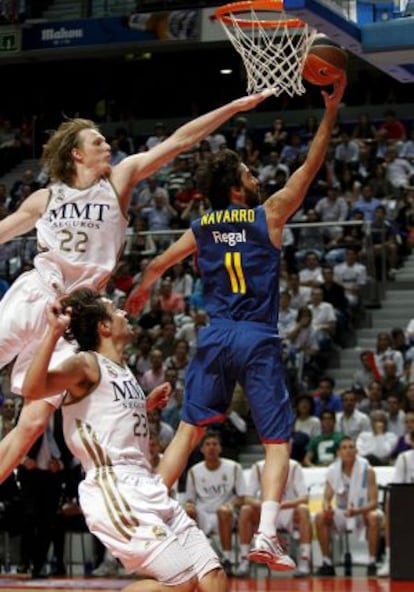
x: 325, y: 63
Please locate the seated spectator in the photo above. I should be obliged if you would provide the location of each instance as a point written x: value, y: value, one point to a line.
x: 334, y: 293
x: 384, y: 351
x: 305, y: 418
x: 302, y: 348
x: 293, y: 514
x: 391, y: 383
x: 408, y: 401
x: 393, y: 127
x: 123, y: 277
x: 300, y: 295
x: 139, y: 356
x: 399, y: 342
x: 396, y: 416
x: 351, y: 483
x: 384, y: 237
x: 275, y: 138
x: 170, y: 301
x: 159, y: 217
x: 399, y: 171
x: 138, y: 244
x: 292, y: 151
x: 364, y: 130
x: 156, y: 373
x: 287, y: 315
x: 189, y: 330
x: 164, y: 337
x: 332, y: 208
x: 269, y: 170
x: 179, y: 360
x: 346, y: 152
x: 161, y: 429
x: 406, y: 441
x: 377, y: 445
x: 350, y: 421
x: 367, y: 203
x: 381, y: 186
x: 310, y: 247
x: 171, y: 413
x: 374, y: 400
x: 352, y: 275
x: 182, y: 280
x: 368, y: 372
x: 159, y: 135
x: 407, y: 148
x: 323, y: 319
x: 325, y: 398
x: 215, y: 490
x: 113, y: 293
x: 322, y: 449
x: 117, y: 155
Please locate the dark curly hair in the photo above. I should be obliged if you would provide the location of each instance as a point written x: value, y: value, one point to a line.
x: 88, y: 310
x: 217, y: 175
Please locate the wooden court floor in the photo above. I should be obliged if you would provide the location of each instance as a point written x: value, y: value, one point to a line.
x: 272, y: 584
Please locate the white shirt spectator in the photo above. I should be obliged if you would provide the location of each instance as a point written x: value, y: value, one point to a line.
x: 396, y: 423
x: 310, y: 426
x: 323, y: 314
x: 353, y: 424
x: 379, y: 445
x: 404, y: 468
x: 307, y: 275
x: 351, y: 277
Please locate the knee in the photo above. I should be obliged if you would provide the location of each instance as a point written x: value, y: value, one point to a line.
x: 215, y: 579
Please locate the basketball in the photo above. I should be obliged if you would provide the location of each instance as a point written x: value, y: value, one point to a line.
x: 325, y: 62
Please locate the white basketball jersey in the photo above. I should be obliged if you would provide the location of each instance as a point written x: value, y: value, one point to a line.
x: 295, y: 484
x: 210, y: 489
x: 108, y: 426
x: 80, y: 236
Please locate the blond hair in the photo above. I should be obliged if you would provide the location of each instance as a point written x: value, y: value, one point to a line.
x: 57, y: 152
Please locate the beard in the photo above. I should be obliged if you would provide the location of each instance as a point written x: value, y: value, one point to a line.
x: 252, y: 198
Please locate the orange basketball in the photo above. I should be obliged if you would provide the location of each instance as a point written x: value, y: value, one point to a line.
x: 325, y: 62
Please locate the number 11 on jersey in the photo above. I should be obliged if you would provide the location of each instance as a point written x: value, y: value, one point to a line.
x: 233, y: 264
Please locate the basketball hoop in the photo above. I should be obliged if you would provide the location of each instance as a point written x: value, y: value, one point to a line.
x: 272, y: 45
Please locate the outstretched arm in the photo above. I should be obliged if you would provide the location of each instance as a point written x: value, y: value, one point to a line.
x: 134, y: 168
x: 284, y: 203
x: 25, y: 218
x: 178, y: 251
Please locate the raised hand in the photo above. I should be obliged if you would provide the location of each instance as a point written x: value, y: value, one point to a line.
x: 58, y: 318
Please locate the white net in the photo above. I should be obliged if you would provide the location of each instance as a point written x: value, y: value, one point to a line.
x: 273, y: 55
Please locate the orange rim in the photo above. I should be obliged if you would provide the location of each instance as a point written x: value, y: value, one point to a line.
x: 222, y: 13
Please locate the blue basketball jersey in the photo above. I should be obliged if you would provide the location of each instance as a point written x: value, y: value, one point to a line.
x: 239, y: 265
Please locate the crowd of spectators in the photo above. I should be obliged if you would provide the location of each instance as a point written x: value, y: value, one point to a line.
x: 367, y: 178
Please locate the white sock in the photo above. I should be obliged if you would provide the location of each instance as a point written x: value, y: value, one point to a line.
x: 227, y: 555
x: 305, y: 551
x: 244, y: 549
x: 387, y: 554
x: 268, y: 517
x: 372, y: 559
x: 327, y: 560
